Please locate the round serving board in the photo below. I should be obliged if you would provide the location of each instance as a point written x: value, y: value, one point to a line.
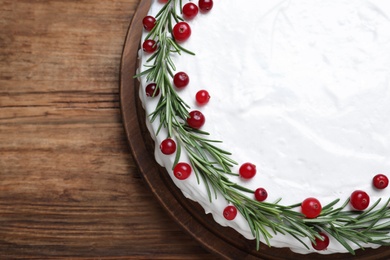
x: 222, y: 241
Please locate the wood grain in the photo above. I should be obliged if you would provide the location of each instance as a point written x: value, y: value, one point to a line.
x: 69, y: 186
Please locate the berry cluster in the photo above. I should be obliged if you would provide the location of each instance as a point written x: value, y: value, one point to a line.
x: 311, y: 207
x: 359, y: 200
x: 182, y: 30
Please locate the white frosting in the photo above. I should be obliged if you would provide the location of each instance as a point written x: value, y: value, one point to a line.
x: 300, y: 88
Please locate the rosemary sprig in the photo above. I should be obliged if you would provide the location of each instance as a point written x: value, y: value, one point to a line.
x: 213, y: 164
x: 170, y: 106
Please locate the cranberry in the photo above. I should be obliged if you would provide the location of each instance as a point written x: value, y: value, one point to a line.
x: 205, y: 5
x: 360, y: 200
x: 168, y: 146
x: 247, y: 170
x: 149, y: 46
x: 182, y: 170
x: 261, y: 194
x: 230, y: 212
x: 190, y: 10
x: 149, y: 22
x: 321, y: 244
x: 196, y: 119
x: 181, y: 79
x: 181, y: 31
x: 311, y: 208
x: 380, y: 181
x: 152, y: 90
x: 202, y: 97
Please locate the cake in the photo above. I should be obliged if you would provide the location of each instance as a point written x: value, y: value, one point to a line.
x: 299, y: 101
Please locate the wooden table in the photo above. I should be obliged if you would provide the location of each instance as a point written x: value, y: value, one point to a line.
x: 69, y: 186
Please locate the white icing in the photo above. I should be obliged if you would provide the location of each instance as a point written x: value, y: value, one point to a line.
x: 300, y: 88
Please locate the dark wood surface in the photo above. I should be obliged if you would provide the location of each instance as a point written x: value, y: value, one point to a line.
x: 69, y: 186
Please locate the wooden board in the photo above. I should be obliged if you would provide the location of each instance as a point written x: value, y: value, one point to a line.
x: 222, y: 241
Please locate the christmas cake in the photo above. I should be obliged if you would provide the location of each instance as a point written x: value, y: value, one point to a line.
x: 274, y: 115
